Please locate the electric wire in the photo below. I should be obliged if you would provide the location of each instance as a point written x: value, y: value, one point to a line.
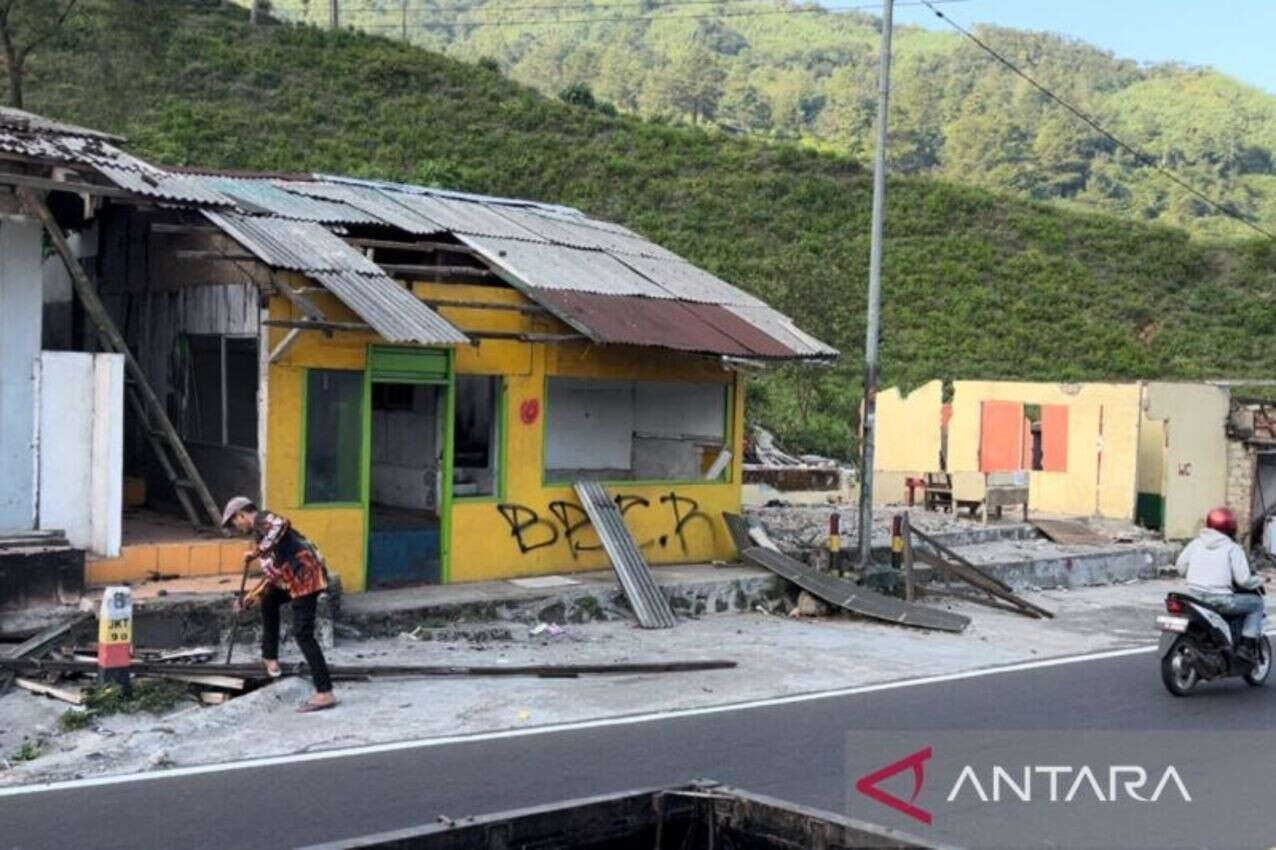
x: 1140, y: 157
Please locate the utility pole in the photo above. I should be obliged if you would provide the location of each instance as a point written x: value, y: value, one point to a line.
x: 869, y: 416
x: 404, y: 21
x: 252, y: 12
x: 333, y: 17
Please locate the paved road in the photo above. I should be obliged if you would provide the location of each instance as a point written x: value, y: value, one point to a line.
x: 796, y: 751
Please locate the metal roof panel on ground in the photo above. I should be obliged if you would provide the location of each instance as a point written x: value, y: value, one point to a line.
x: 369, y: 200
x: 390, y: 309
x: 263, y: 195
x: 302, y: 246
x: 544, y: 266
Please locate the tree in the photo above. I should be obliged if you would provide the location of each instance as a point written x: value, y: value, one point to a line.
x: 691, y: 83
x: 24, y: 26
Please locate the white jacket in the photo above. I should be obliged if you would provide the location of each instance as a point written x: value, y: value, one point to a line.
x: 1216, y: 564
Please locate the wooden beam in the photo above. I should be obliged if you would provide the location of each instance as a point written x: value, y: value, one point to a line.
x: 524, y: 337
x: 436, y: 272
x: 301, y: 302
x: 318, y: 325
x: 212, y: 255
x: 32, y: 182
x: 174, y: 228
x: 392, y: 245
x: 93, y: 306
x: 284, y: 344
x: 45, y: 640
x: 531, y: 309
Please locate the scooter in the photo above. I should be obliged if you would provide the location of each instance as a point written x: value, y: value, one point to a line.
x: 1198, y: 643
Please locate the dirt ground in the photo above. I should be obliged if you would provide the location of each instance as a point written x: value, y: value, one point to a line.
x: 777, y: 656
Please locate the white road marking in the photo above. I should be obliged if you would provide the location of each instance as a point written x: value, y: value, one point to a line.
x: 623, y: 720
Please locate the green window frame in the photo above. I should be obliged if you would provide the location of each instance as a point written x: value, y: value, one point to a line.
x: 333, y: 437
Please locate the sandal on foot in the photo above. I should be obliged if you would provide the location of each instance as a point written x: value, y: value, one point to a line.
x: 275, y: 673
x: 309, y: 706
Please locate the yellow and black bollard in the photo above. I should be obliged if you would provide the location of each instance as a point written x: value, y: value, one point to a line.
x: 115, y: 638
x: 835, y: 543
x: 897, y: 542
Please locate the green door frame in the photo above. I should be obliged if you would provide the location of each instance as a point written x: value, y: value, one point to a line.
x: 405, y: 373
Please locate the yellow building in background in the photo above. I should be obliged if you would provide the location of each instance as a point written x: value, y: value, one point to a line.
x: 1148, y: 451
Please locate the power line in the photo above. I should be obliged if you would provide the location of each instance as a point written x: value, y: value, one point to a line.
x: 1140, y: 157
x: 390, y: 6
x: 840, y: 10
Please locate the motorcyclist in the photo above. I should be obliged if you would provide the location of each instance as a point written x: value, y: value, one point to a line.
x: 1216, y: 568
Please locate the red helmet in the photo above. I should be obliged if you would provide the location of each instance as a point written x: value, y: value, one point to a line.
x: 1222, y: 520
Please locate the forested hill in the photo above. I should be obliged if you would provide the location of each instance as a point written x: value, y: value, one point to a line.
x: 956, y: 113
x: 976, y: 284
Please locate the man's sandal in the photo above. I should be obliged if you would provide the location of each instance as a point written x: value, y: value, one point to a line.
x: 309, y: 706
x: 275, y: 673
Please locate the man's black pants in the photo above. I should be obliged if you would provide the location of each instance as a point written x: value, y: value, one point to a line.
x: 303, y: 631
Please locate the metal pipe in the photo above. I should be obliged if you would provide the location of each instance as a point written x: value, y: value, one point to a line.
x: 868, y: 417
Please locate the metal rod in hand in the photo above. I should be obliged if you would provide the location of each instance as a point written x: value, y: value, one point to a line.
x: 234, y: 626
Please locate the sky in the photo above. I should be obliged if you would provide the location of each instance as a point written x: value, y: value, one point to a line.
x: 1236, y: 36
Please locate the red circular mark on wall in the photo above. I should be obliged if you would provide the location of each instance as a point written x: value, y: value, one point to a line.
x: 529, y: 410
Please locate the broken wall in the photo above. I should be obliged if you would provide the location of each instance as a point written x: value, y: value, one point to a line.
x: 20, y: 311
x: 1101, y: 431
x: 908, y: 439
x: 1194, y: 476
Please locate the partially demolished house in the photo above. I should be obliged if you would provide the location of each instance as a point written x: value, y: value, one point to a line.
x: 417, y: 377
x: 1158, y: 453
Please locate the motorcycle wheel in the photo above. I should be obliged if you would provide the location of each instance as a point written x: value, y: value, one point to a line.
x: 1177, y: 672
x: 1258, y: 673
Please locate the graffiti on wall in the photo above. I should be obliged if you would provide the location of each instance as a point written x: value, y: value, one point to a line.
x: 531, y: 531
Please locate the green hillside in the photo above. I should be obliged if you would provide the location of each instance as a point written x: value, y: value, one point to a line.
x: 977, y: 284
x: 957, y: 114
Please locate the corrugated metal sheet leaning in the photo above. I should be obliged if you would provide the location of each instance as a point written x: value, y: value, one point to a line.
x: 310, y: 248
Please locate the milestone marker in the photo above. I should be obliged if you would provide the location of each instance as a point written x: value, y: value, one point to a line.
x: 115, y: 637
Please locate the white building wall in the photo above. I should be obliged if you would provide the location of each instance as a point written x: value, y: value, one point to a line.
x: 81, y: 448
x: 20, y: 322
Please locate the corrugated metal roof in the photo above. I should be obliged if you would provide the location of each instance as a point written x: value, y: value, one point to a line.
x: 154, y: 183
x: 689, y: 283
x: 263, y: 195
x: 301, y: 246
x: 390, y: 309
x: 29, y: 122
x: 378, y: 204
x: 310, y: 248
x: 465, y: 216
x: 781, y: 327
x: 580, y: 232
x: 545, y: 266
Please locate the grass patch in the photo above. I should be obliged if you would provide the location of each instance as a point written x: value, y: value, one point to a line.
x: 30, y: 750
x: 153, y: 696
x: 74, y: 719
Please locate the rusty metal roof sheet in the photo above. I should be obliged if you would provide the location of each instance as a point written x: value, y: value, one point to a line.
x: 662, y: 322
x: 779, y: 326
x: 263, y: 195
x: 381, y: 205
x: 310, y: 248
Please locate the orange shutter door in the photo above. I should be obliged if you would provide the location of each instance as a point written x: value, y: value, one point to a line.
x: 1054, y: 438
x: 1001, y: 436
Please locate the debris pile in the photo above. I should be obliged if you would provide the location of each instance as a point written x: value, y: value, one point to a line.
x: 766, y: 464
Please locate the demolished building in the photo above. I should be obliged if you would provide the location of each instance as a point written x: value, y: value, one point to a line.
x: 416, y: 376
x: 1158, y: 453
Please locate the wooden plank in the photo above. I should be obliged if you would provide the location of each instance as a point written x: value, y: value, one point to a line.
x: 852, y: 597
x: 75, y: 697
x: 424, y: 246
x: 959, y: 568
x: 439, y: 272
x: 1068, y: 532
x: 213, y: 697
x: 907, y: 532
x: 316, y: 325
x: 229, y: 683
x: 44, y: 641
x: 535, y: 309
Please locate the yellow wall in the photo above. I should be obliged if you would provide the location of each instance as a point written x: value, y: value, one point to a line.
x: 1195, y: 469
x: 1103, y: 427
x: 483, y: 542
x: 1151, y: 455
